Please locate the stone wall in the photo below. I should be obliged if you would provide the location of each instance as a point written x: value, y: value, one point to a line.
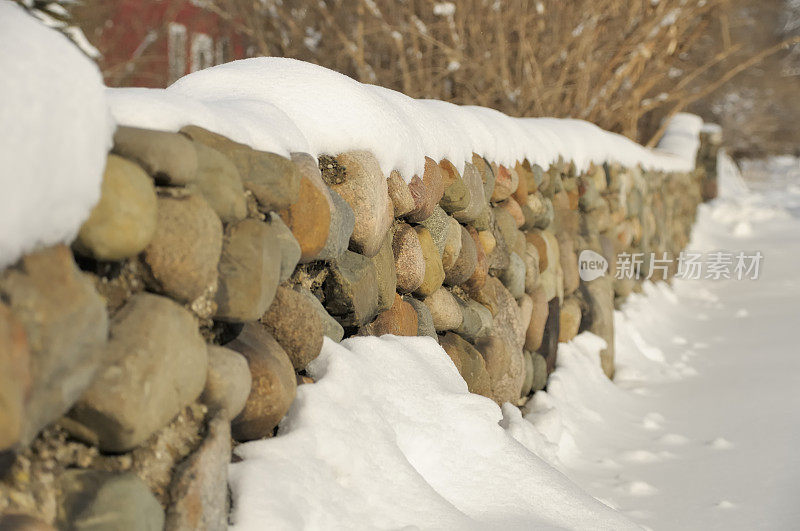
x: 181, y: 319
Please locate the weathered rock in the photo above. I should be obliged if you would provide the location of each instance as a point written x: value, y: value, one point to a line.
x: 488, y: 241
x: 506, y: 368
x: 424, y: 318
x: 504, y: 310
x: 511, y: 206
x: 15, y: 377
x: 400, y: 320
x: 504, y: 185
x: 342, y: 222
x: 468, y: 362
x: 569, y: 264
x: 477, y: 320
x: 570, y: 320
x: 535, y: 330
x: 219, y: 183
x: 434, y: 273
x: 539, y: 372
x: 452, y: 245
x: 66, y: 326
x: 444, y: 309
x: 466, y: 262
x: 432, y: 192
x: 288, y: 248
x: 408, y: 258
x: 273, y: 388
x: 227, y: 381
x: 123, y: 222
x: 549, y: 346
x: 366, y: 191
x: 249, y: 271
x: 330, y: 326
x: 527, y: 383
x: 399, y: 194
x: 199, y: 489
x: 531, y: 259
x: 169, y: 157
x: 599, y: 319
x: 295, y: 325
x: 144, y: 388
x: 438, y: 224
x: 477, y: 200
x: 273, y: 180
x: 99, y: 500
x: 513, y: 277
x: 385, y: 273
x: 309, y: 219
x: 351, y: 289
x: 487, y: 173
x: 456, y: 195
x: 185, y: 249
x: 478, y: 277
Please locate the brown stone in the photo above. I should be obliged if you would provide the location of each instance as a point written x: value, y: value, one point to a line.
x: 15, y: 377
x: 444, y: 309
x: 366, y: 191
x: 400, y: 195
x: 227, y: 381
x: 274, y: 384
x: 309, y: 220
x: 504, y: 185
x: 535, y: 237
x: 249, y: 271
x: 478, y: 277
x: 399, y: 320
x: 466, y: 263
x: 66, y: 325
x: 505, y: 366
x: 185, y: 249
x: 123, y: 222
x: 433, y: 191
x: 434, y: 273
x: 535, y: 330
x: 511, y: 206
x: 168, y: 157
x: 199, y: 488
x: 570, y: 320
x: 468, y: 362
x: 408, y: 258
x: 295, y: 325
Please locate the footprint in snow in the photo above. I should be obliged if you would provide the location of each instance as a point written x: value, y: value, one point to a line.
x: 640, y: 456
x: 720, y: 443
x: 637, y: 488
x: 673, y: 439
x: 653, y: 421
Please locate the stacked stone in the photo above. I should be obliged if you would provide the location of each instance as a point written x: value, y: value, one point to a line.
x: 208, y: 275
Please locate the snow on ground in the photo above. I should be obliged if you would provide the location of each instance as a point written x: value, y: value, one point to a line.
x: 701, y: 427
x: 699, y: 430
x: 56, y: 133
x: 390, y: 438
x: 283, y: 105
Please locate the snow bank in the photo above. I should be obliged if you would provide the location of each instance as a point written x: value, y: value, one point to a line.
x: 389, y: 437
x: 284, y: 105
x: 56, y: 133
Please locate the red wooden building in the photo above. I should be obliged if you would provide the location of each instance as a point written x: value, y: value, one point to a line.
x: 151, y: 43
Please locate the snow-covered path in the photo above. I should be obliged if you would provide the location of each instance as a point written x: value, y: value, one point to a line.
x: 702, y: 432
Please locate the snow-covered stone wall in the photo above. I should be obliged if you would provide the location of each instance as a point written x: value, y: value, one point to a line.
x: 209, y: 273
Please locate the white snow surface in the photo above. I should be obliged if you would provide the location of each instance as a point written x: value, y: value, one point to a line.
x: 56, y: 133
x: 285, y: 105
x: 699, y: 430
x: 389, y: 438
